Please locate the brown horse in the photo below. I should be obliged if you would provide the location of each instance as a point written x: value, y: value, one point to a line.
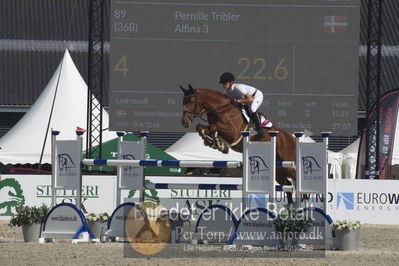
x: 226, y: 123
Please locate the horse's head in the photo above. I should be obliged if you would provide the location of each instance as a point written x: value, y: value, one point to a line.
x: 191, y: 106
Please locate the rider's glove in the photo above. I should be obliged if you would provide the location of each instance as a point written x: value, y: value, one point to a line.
x: 235, y: 102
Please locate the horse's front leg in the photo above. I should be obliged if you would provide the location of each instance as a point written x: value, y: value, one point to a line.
x: 219, y: 143
x: 204, y: 132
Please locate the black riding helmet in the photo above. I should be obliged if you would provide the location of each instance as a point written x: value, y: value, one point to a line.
x: 226, y: 77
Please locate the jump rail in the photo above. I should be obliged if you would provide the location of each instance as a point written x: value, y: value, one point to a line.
x: 208, y: 186
x: 164, y: 163
x: 175, y: 163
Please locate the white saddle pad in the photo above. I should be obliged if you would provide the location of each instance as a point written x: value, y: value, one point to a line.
x: 264, y: 122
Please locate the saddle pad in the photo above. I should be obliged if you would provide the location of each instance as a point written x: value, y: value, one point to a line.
x: 264, y: 122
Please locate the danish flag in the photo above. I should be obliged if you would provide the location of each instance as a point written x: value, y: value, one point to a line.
x: 121, y: 113
x: 335, y: 24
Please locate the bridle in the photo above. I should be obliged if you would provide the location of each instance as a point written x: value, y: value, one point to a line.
x: 203, y: 112
x: 185, y: 102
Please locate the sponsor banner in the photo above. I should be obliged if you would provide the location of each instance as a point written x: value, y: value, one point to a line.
x: 313, y: 168
x: 98, y: 193
x: 63, y: 221
x: 369, y: 201
x: 260, y: 175
x: 191, y: 201
x: 131, y: 177
x: 67, y: 163
x: 388, y: 112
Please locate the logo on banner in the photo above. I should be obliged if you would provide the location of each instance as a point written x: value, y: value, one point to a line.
x: 259, y: 199
x: 65, y: 162
x: 11, y: 194
x: 310, y: 165
x: 128, y: 157
x: 152, y: 196
x: 257, y: 165
x: 346, y: 199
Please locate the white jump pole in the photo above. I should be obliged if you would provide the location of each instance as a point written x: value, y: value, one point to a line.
x: 143, y: 143
x: 245, y: 170
x: 165, y: 163
x: 298, y: 194
x: 119, y: 169
x: 273, y: 135
x: 79, y: 139
x: 54, y: 134
x: 325, y: 136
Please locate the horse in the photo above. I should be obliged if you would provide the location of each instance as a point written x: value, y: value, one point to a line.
x: 225, y: 124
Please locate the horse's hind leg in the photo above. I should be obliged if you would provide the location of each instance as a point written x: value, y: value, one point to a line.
x: 282, y: 175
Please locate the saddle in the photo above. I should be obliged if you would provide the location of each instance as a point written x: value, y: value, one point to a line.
x: 265, y: 123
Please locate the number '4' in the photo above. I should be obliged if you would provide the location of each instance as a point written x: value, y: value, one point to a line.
x: 122, y: 65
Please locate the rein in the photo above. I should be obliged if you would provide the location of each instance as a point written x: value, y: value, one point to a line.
x: 206, y: 112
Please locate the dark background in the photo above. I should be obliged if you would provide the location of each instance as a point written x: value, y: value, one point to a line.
x: 34, y: 35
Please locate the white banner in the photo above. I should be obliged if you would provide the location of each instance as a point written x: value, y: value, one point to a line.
x: 131, y: 177
x: 260, y: 163
x: 98, y: 193
x: 313, y: 167
x: 369, y: 201
x: 67, y: 163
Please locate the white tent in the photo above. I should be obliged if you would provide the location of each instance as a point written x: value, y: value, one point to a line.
x: 335, y: 160
x: 191, y: 147
x: 24, y: 142
x: 350, y: 154
x: 350, y: 160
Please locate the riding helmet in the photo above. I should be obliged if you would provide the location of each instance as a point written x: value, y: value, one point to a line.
x: 226, y: 77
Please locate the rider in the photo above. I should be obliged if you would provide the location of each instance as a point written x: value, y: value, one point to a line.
x: 244, y: 94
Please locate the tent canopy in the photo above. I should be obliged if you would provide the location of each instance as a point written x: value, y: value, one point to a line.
x: 64, y: 103
x: 191, y: 147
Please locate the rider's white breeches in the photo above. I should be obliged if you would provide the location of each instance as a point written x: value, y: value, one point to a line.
x: 258, y: 99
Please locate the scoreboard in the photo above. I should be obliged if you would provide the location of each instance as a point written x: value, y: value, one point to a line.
x: 302, y: 54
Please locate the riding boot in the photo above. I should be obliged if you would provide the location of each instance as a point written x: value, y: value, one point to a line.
x: 256, y: 120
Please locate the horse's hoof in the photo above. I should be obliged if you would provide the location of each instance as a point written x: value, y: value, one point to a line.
x: 208, y: 143
x: 225, y: 150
